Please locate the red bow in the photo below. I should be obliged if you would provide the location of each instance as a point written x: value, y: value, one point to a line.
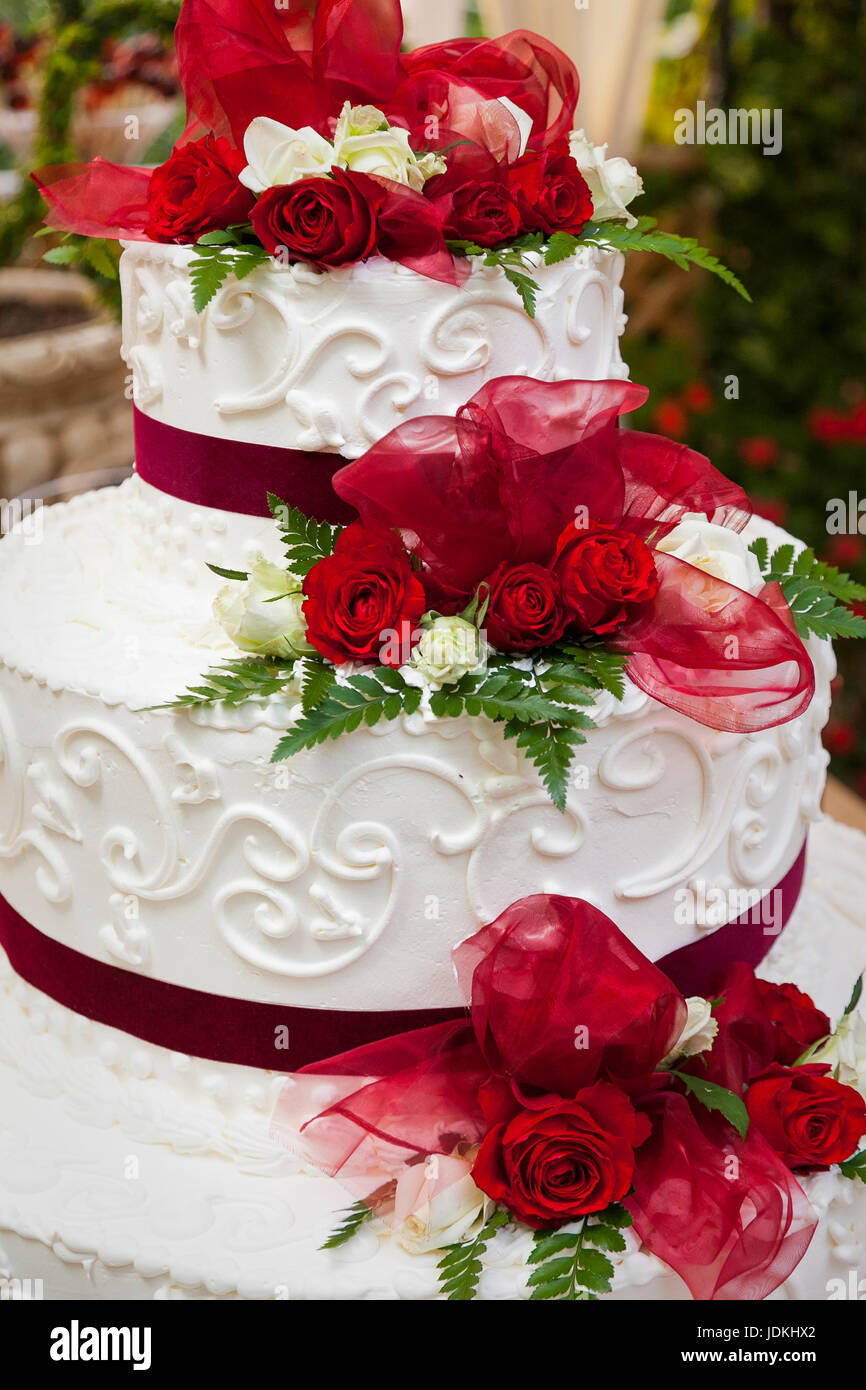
x: 723, y: 1211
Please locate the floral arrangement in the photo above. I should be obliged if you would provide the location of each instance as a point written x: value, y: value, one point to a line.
x: 591, y: 1098
x: 452, y: 151
x: 515, y: 562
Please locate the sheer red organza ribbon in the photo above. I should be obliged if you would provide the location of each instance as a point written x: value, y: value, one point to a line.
x: 239, y: 59
x: 504, y: 479
x: 723, y: 1211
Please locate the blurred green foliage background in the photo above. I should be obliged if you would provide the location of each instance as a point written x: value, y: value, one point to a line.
x: 792, y: 226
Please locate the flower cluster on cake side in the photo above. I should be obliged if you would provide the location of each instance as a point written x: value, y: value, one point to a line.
x: 516, y: 561
x: 586, y: 1095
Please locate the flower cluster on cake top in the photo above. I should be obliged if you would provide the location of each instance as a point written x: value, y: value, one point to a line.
x: 295, y: 149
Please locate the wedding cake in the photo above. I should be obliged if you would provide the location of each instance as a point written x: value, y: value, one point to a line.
x: 263, y: 1031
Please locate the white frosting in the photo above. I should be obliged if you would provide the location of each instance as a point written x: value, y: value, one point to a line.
x: 168, y: 843
x: 109, y: 1190
x: 332, y: 361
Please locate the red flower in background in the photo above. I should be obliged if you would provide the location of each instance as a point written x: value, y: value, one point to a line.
x: 502, y: 483
x: 360, y: 594
x: 670, y: 418
x: 551, y: 194
x: 197, y: 191
x: 697, y: 398
x: 796, y: 1021
x: 759, y: 451
x: 326, y: 221
x: 603, y: 573
x: 773, y: 509
x: 810, y: 1120
x: 525, y: 608
x: 845, y: 551
x: 840, y: 738
x: 554, y: 1164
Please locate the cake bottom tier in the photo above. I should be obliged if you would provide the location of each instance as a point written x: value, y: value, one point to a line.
x: 110, y: 1190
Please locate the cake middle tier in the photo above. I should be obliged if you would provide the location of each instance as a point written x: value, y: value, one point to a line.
x: 167, y: 843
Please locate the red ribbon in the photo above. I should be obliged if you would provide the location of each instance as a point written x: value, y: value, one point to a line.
x: 236, y: 476
x: 745, y: 939
x: 216, y: 1026
x: 222, y: 1028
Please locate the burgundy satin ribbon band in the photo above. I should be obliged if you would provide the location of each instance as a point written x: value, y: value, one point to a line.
x: 236, y: 476
x: 224, y: 1029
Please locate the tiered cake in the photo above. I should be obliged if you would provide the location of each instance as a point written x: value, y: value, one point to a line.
x: 163, y: 876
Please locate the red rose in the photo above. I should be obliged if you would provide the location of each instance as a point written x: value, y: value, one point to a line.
x: 357, y: 597
x: 326, y: 221
x: 550, y: 1166
x: 796, y: 1021
x: 810, y: 1120
x: 602, y: 572
x: 197, y: 191
x: 483, y: 212
x: 525, y: 609
x: 551, y: 193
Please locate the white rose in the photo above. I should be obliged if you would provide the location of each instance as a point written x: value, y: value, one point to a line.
x: 448, y: 649
x: 716, y: 550
x: 278, y: 154
x: 366, y: 143
x: 437, y: 1204
x: 845, y: 1052
x: 698, y: 1034
x: 264, y: 615
x: 613, y: 183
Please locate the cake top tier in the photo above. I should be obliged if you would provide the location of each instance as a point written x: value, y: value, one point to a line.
x: 295, y: 358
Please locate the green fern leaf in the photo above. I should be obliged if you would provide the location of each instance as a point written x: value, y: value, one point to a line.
x: 362, y: 699
x: 306, y: 540
x: 647, y: 236
x: 460, y: 1266
x: 317, y: 677
x: 572, y: 1265
x: 354, y: 1218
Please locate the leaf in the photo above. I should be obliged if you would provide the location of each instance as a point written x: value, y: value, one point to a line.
x: 647, y: 236
x: 235, y: 682
x: 854, y: 1167
x: 571, y: 1265
x: 719, y: 1098
x: 228, y: 574
x: 63, y: 255
x: 215, y: 260
x: 856, y: 995
x: 207, y: 274
x: 353, y: 1219
x: 101, y: 255
x: 218, y: 238
x: 561, y: 246
x: 307, y: 541
x: 547, y: 1245
x: 316, y: 680
x: 460, y: 1267
x: 364, y: 698
x: 817, y: 594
